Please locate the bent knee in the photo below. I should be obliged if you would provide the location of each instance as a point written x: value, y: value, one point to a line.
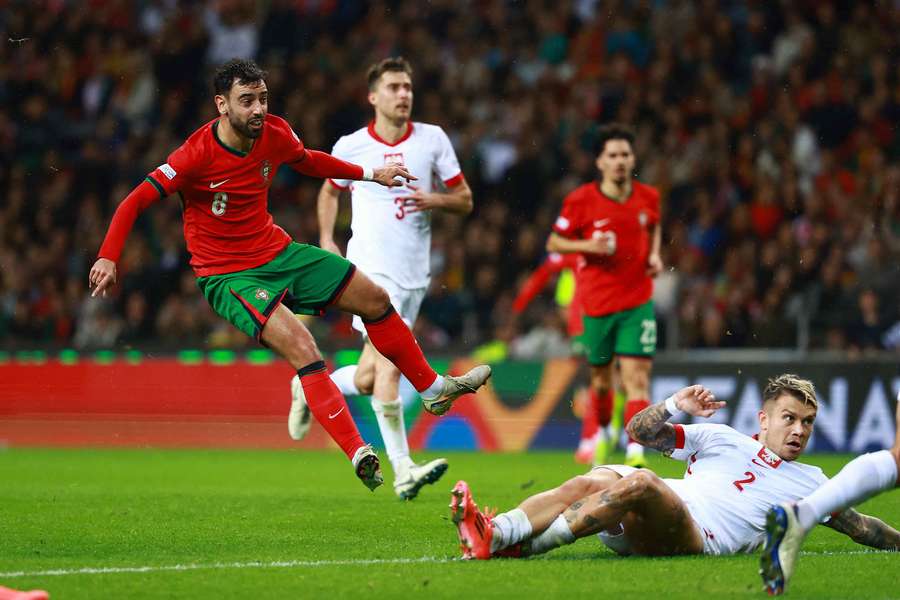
x: 577, y: 487
x: 644, y: 481
x: 376, y: 304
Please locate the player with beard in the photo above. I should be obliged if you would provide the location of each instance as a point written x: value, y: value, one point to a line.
x: 614, y: 223
x: 254, y: 275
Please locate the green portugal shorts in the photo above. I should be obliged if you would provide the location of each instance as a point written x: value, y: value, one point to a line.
x: 304, y: 278
x: 629, y: 332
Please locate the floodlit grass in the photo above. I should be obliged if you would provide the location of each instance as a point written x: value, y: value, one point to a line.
x: 218, y: 512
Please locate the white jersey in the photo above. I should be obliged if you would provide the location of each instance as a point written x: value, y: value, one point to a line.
x: 732, y: 481
x: 385, y: 238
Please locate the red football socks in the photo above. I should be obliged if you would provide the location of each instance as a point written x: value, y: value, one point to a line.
x: 633, y: 407
x: 390, y: 336
x: 589, y: 416
x: 329, y: 407
x: 604, y: 408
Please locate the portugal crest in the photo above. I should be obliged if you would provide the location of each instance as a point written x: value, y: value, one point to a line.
x: 265, y: 170
x: 262, y: 294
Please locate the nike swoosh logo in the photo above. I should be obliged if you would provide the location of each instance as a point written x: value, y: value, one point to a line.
x: 336, y: 414
x: 215, y: 185
x: 753, y: 460
x: 601, y: 222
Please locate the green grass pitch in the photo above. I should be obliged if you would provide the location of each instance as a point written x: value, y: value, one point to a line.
x: 229, y: 524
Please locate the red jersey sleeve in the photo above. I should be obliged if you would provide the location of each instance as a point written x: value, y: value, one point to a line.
x: 170, y: 176
x: 568, y: 222
x: 290, y: 147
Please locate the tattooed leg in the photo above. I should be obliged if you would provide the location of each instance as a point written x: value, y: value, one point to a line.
x: 656, y: 521
x: 543, y: 508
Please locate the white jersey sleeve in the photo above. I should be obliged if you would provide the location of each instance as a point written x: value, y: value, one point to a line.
x: 690, y: 439
x: 340, y: 151
x: 446, y: 165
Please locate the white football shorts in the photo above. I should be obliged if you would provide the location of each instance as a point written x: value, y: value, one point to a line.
x: 620, y: 544
x: 406, y: 302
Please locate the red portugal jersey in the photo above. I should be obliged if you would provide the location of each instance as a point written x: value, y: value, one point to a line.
x: 227, y: 225
x: 609, y: 284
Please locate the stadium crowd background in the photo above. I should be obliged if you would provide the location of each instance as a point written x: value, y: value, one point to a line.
x: 770, y: 128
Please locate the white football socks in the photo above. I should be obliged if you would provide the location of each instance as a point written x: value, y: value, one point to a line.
x: 509, y: 528
x: 343, y: 379
x: 859, y: 480
x: 393, y: 432
x: 433, y: 390
x: 558, y: 534
x: 633, y: 449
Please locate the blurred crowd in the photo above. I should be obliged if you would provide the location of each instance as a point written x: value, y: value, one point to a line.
x: 770, y: 128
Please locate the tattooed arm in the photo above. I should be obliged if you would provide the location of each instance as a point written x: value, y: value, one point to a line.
x: 866, y: 530
x: 651, y: 428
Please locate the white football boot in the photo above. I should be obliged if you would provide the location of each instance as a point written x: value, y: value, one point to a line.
x: 300, y: 417
x: 454, y: 387
x: 408, y: 484
x: 367, y: 467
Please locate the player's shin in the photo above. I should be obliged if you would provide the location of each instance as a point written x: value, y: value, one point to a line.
x: 329, y: 407
x: 393, y: 431
x: 558, y: 534
x: 860, y: 479
x: 393, y: 339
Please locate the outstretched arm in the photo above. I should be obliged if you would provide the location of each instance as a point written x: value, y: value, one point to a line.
x: 866, y: 530
x: 321, y: 164
x: 651, y: 428
x: 103, y: 273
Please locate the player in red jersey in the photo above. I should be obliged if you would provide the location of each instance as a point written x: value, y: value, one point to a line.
x: 251, y: 272
x: 614, y: 224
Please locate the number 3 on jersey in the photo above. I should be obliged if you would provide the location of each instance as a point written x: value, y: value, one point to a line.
x: 219, y: 203
x: 401, y: 208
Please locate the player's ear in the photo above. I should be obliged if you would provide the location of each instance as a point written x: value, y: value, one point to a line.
x: 763, y: 419
x: 221, y: 104
x: 372, y: 97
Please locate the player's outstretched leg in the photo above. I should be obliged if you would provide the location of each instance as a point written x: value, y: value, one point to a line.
x: 784, y: 536
x: 392, y: 338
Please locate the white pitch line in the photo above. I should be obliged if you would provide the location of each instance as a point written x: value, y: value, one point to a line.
x: 287, y: 564
x: 281, y: 564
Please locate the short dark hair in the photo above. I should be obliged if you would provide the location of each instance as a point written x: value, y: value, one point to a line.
x: 244, y: 70
x: 612, y: 131
x: 395, y: 64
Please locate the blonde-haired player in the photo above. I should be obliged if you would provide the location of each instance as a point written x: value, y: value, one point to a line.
x: 719, y: 507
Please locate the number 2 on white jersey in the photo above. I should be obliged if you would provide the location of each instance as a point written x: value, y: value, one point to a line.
x: 740, y: 483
